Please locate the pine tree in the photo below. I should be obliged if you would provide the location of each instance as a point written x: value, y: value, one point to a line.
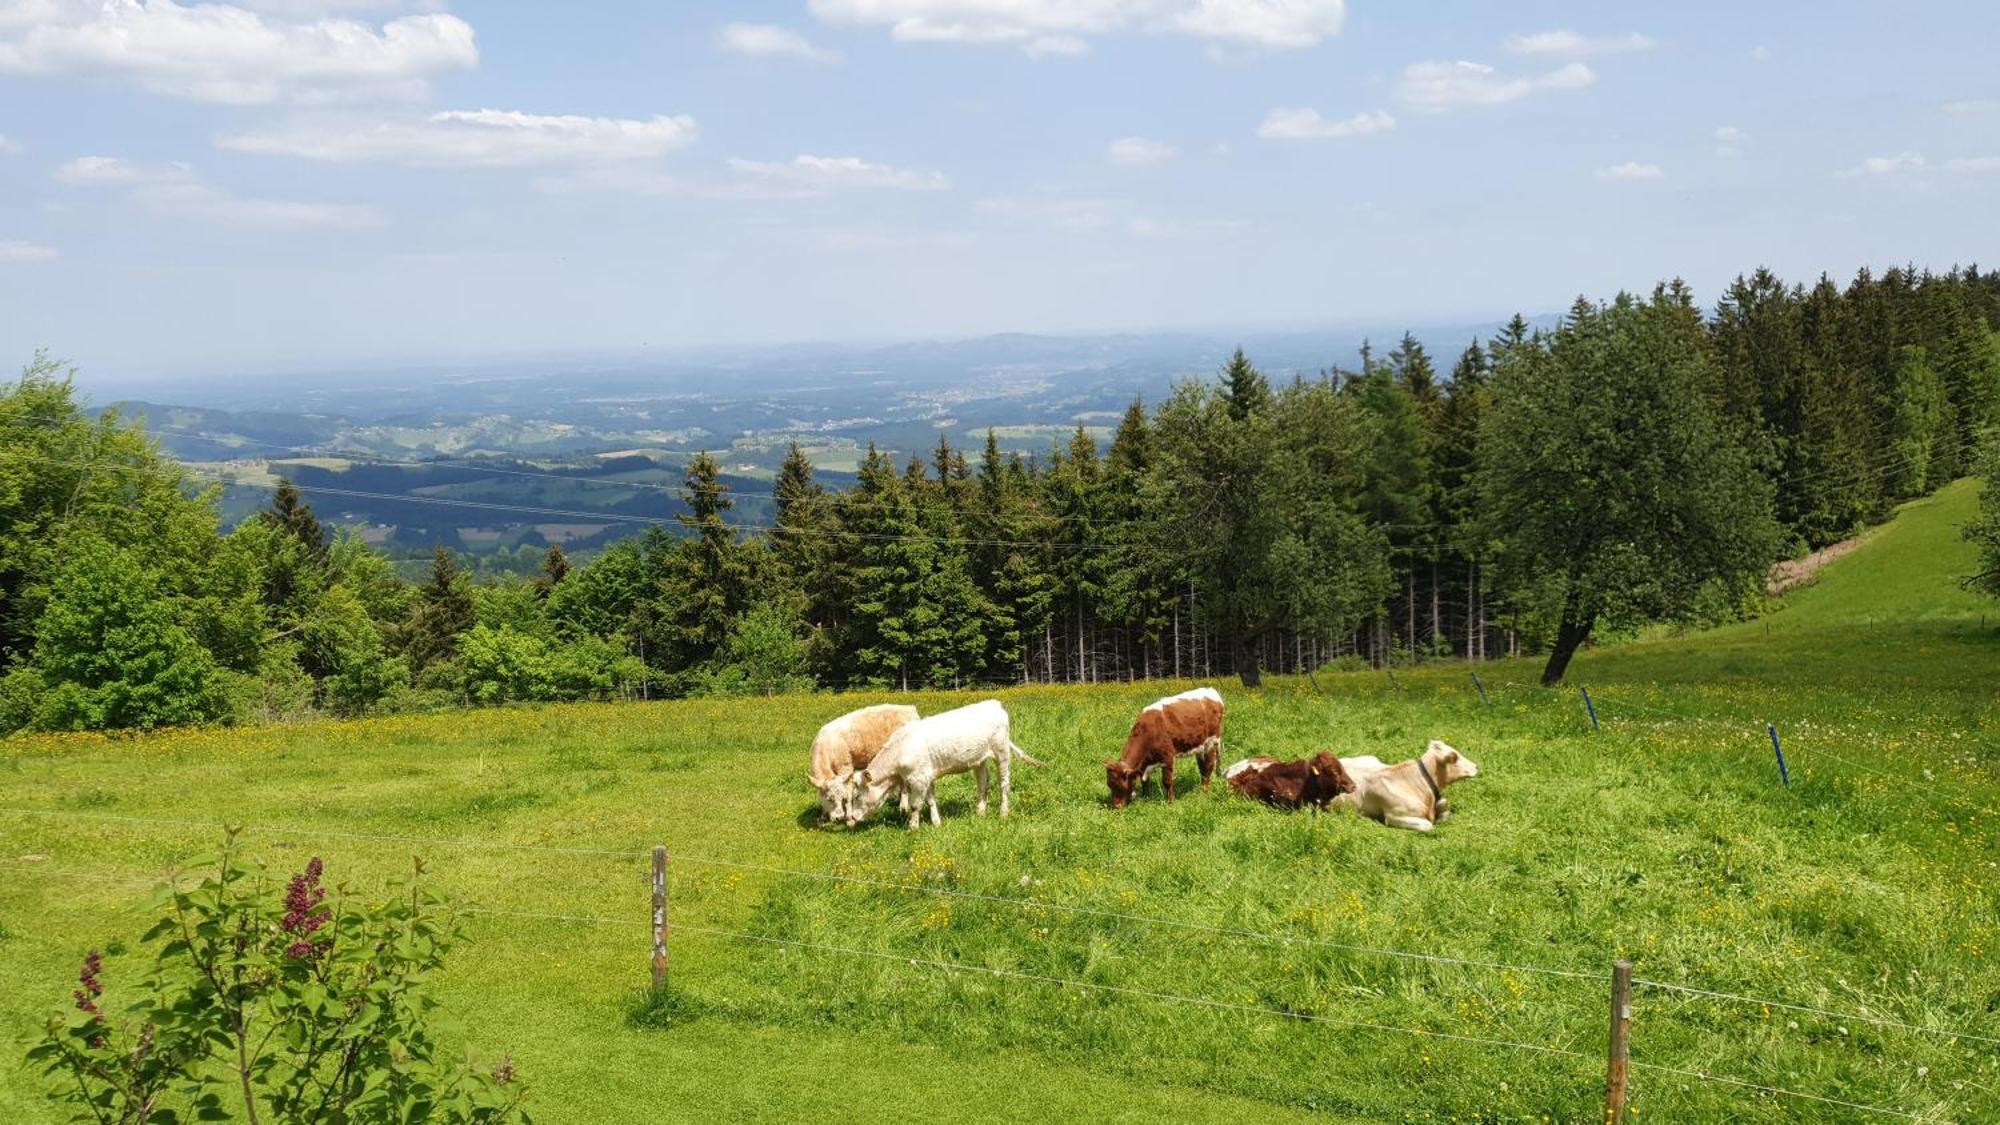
x: 443, y: 610
x: 555, y: 568
x: 706, y: 584
x: 1245, y: 387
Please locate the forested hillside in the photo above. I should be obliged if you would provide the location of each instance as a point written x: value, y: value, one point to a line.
x: 1639, y: 463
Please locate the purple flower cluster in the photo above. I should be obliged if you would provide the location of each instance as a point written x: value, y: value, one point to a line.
x: 304, y: 913
x: 86, y: 997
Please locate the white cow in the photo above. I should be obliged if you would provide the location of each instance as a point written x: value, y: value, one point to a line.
x: 956, y: 741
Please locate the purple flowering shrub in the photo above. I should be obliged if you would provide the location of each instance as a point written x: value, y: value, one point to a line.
x: 310, y: 1005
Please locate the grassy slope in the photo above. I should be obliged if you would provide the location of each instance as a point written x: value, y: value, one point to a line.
x: 1664, y: 838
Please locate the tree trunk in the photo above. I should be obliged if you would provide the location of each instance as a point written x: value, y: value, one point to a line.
x: 1245, y: 658
x: 1570, y: 635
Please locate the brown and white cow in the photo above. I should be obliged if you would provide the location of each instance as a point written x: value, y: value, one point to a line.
x: 847, y: 744
x: 1318, y: 781
x: 1188, y: 723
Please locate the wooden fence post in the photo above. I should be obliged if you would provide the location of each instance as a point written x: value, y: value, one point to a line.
x: 659, y: 915
x: 1621, y: 1037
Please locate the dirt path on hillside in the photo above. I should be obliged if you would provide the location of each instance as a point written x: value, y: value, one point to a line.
x: 1794, y: 573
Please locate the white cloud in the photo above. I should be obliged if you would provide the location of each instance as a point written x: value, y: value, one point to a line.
x: 1973, y: 164
x: 8, y: 147
x: 174, y: 190
x: 1139, y: 150
x: 1439, y: 87
x: 1308, y: 125
x: 1632, y: 170
x: 16, y: 251
x: 1974, y: 105
x: 1274, y: 24
x: 195, y: 200
x: 222, y: 53
x: 1884, y: 165
x: 485, y: 138
x: 92, y: 170
x: 1760, y: 54
x: 1059, y: 26
x: 816, y: 175
x: 1564, y: 43
x: 1072, y: 214
x: 766, y: 40
x: 1729, y: 140
x: 1056, y: 46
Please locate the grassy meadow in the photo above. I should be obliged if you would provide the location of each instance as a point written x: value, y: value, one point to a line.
x: 1869, y: 886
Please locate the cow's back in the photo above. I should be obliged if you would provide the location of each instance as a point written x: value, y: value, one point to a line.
x: 951, y: 741
x: 853, y: 740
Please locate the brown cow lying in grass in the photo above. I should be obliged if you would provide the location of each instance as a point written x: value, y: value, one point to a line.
x: 1406, y: 795
x: 1317, y: 781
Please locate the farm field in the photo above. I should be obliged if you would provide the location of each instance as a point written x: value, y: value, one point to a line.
x: 1867, y: 888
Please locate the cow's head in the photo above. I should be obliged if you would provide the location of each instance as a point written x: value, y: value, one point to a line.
x: 866, y: 792
x: 835, y: 794
x: 1447, y: 765
x: 1122, y: 780
x: 1331, y: 773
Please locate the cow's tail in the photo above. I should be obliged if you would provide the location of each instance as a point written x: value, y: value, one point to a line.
x: 1025, y: 756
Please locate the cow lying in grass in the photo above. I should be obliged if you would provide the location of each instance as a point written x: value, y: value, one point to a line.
x: 1318, y: 781
x: 1188, y: 723
x: 847, y: 744
x: 1406, y: 795
x: 915, y: 757
x: 1410, y: 794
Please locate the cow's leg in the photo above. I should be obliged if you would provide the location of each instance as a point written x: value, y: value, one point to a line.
x: 979, y: 771
x: 931, y: 798
x: 1412, y: 822
x: 1209, y: 758
x: 1167, y: 777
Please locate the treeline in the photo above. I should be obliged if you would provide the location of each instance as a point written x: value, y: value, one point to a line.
x: 1639, y: 462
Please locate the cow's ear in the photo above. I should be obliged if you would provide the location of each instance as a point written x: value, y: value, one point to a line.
x: 862, y: 777
x: 1451, y: 756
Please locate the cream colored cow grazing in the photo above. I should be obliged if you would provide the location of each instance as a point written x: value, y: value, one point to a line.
x: 955, y: 741
x: 847, y: 744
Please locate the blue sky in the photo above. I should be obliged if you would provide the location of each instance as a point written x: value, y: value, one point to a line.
x: 306, y: 183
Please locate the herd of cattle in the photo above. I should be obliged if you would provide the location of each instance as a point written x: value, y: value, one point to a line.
x: 860, y: 759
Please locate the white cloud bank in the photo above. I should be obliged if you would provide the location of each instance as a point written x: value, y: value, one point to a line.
x: 13, y: 250
x: 1564, y: 43
x: 766, y: 41
x: 1440, y: 87
x: 174, y: 190
x: 223, y: 53
x: 1729, y: 140
x: 1632, y: 170
x: 818, y: 175
x: 1061, y: 26
x: 1139, y: 150
x: 1308, y: 125
x: 1884, y: 165
x: 9, y: 147
x: 484, y: 138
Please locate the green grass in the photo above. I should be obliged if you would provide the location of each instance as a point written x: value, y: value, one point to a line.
x: 1866, y: 886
